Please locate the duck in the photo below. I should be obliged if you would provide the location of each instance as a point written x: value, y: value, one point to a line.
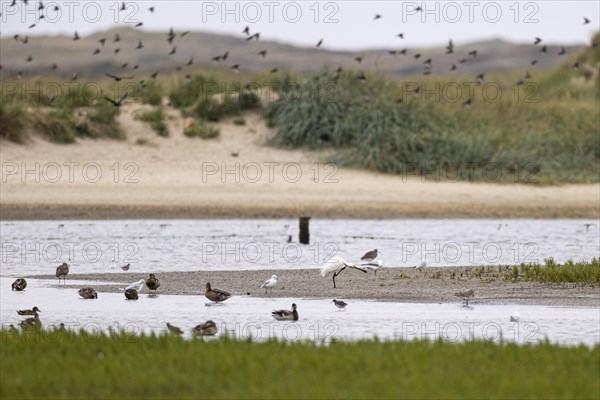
x: 152, y: 282
x: 88, y: 293
x: 19, y: 285
x: 286, y: 315
x: 62, y: 270
x: 174, y: 329
x: 466, y: 296
x: 208, y: 328
x: 33, y: 311
x: 131, y: 294
x: 216, y: 295
x: 269, y: 283
x: 31, y: 322
x: 340, y: 304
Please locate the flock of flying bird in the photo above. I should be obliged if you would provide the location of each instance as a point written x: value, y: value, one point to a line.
x: 334, y: 265
x: 222, y: 57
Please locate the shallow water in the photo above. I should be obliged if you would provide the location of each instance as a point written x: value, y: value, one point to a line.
x: 37, y: 247
x: 320, y: 321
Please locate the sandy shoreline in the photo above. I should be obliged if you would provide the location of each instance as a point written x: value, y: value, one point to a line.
x: 239, y: 176
x: 436, y: 285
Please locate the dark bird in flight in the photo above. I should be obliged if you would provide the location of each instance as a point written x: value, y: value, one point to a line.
x: 362, y: 76
x: 76, y: 36
x: 453, y: 67
x: 527, y: 75
x: 473, y: 53
x: 480, y: 78
x: 190, y: 61
x: 123, y: 7
x: 118, y: 78
x: 262, y: 53
x: 403, y: 52
x: 537, y: 41
x: 400, y: 35
x: 173, y: 50
x: 464, y: 60
x: 236, y: 68
x: 183, y: 34
x: 140, y: 45
x: 151, y: 9
x: 54, y: 66
x: 123, y: 66
x: 533, y: 62
x: 319, y: 43
x: 97, y: 51
x: 427, y: 62
x: 562, y: 51
x: 586, y: 21
x: 358, y: 59
x: 417, y: 56
x: 274, y: 70
x: 139, y: 24
x: 377, y: 16
x: 575, y: 65
x: 544, y: 49
x: 468, y: 103
x: 154, y: 75
x: 246, y: 31
x: 31, y: 26
x: 117, y: 38
x: 117, y: 103
x: 450, y: 47
x: 255, y: 36
x: 102, y: 41
x: 117, y: 50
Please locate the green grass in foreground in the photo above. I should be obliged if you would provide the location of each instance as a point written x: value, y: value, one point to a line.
x: 169, y: 367
x: 586, y: 273
x: 156, y: 119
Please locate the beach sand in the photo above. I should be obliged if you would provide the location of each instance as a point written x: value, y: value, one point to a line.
x: 179, y: 177
x: 434, y: 285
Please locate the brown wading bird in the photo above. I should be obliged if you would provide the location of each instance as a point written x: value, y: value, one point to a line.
x: 174, y: 329
x: 33, y: 311
x: 62, y: 270
x: 131, y: 294
x: 370, y: 255
x: 286, y: 315
x: 152, y: 283
x: 216, y: 295
x: 88, y: 293
x: 208, y: 328
x: 465, y: 296
x: 19, y: 285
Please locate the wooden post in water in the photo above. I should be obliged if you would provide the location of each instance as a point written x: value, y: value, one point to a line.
x: 304, y: 233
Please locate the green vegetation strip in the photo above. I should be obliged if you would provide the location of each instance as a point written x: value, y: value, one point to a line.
x: 585, y: 273
x: 77, y: 366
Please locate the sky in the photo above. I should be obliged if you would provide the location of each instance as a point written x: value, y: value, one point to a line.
x: 343, y: 25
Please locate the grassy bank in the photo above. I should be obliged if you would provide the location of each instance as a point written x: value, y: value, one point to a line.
x: 73, y: 366
x: 584, y: 273
x: 452, y: 127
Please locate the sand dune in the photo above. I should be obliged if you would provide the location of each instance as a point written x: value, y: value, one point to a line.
x: 179, y: 177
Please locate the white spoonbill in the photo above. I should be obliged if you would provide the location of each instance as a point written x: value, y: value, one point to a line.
x: 269, y: 283
x: 337, y: 265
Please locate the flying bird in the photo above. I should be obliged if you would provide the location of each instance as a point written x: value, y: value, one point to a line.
x: 319, y: 43
x: 118, y: 78
x: 118, y: 102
